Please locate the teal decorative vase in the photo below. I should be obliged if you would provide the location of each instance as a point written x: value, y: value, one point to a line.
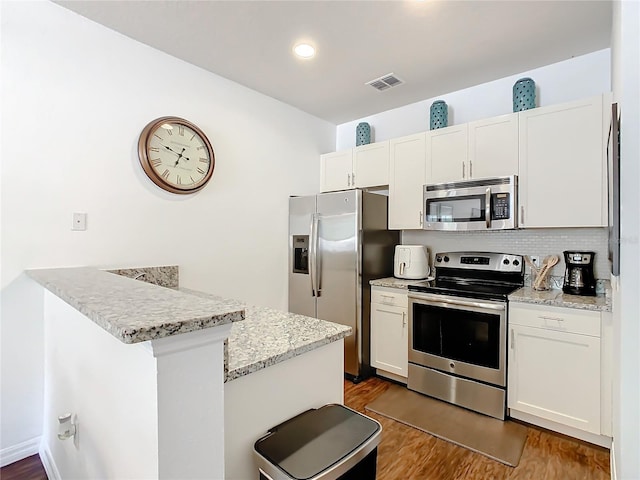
x: 524, y: 95
x: 363, y: 134
x: 439, y: 115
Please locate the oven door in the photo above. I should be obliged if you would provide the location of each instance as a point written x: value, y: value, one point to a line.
x: 461, y: 336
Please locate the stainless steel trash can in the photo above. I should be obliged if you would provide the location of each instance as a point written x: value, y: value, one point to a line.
x: 333, y: 442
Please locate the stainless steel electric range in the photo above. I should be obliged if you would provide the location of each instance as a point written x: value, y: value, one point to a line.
x: 458, y: 329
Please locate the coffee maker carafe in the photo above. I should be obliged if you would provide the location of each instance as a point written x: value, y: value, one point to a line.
x: 578, y: 276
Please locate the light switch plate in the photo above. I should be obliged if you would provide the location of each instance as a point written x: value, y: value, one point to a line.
x: 79, y: 221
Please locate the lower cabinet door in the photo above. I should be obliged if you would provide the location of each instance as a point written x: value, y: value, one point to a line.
x: 389, y: 338
x: 555, y: 375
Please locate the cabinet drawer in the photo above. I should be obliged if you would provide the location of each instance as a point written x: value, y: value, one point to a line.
x: 389, y: 296
x: 568, y: 320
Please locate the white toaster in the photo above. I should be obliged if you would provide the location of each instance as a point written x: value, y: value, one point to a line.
x: 411, y: 262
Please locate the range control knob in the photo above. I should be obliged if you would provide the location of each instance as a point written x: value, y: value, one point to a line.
x: 506, y: 261
x: 516, y: 262
x: 446, y: 259
x: 438, y: 258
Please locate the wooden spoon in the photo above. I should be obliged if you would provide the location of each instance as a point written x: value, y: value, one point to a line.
x: 547, y: 264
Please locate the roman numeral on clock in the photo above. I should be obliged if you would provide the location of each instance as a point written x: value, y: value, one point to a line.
x: 156, y: 162
x: 201, y: 171
x: 165, y: 174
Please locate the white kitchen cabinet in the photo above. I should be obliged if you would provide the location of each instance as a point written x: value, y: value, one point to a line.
x: 406, y: 180
x: 389, y: 331
x: 371, y: 165
x: 447, y: 154
x: 555, y: 371
x: 361, y: 167
x: 481, y: 149
x: 493, y: 147
x: 335, y: 171
x: 562, y: 169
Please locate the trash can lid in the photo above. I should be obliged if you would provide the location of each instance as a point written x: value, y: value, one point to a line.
x: 313, y: 441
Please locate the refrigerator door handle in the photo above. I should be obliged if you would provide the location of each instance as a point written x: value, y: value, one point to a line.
x: 316, y: 268
x: 312, y: 254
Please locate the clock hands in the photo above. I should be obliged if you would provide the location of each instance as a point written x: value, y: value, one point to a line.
x: 179, y: 154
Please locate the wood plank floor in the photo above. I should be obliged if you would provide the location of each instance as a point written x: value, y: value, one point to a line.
x: 406, y: 453
x: 29, y: 468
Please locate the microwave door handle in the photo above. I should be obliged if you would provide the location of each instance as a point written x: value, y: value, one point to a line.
x: 487, y: 207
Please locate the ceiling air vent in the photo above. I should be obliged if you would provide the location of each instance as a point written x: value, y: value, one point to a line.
x: 386, y: 81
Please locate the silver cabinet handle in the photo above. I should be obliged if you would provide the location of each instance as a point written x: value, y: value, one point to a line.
x: 557, y: 319
x: 463, y: 170
x: 404, y: 319
x: 470, y: 169
x: 513, y: 340
x: 521, y: 214
x: 348, y: 179
x: 487, y: 207
x: 353, y: 179
x: 421, y: 219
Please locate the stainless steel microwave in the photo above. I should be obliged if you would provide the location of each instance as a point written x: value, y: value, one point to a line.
x: 483, y: 204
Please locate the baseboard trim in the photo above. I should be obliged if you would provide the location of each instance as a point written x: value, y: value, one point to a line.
x: 17, y: 452
x: 47, y: 462
x: 600, y: 440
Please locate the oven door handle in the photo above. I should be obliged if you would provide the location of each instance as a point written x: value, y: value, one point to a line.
x: 443, y: 301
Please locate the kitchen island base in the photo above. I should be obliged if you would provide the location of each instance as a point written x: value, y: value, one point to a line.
x: 257, y: 402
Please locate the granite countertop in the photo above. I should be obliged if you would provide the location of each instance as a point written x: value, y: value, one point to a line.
x: 554, y: 297
x: 557, y: 298
x: 134, y: 311
x: 393, y: 282
x: 268, y: 336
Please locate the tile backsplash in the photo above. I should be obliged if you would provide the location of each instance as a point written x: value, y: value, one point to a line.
x: 539, y: 241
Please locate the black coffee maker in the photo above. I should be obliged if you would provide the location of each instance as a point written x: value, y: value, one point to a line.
x: 578, y: 275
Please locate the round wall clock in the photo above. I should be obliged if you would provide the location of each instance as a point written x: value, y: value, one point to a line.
x: 176, y: 155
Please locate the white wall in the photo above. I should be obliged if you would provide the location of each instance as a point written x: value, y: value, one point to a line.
x: 626, y: 391
x: 573, y: 79
x: 103, y: 383
x: 75, y: 97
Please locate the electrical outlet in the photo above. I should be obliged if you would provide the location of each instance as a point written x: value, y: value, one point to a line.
x: 535, y: 259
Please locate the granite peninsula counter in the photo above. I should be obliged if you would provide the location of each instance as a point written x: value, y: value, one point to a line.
x: 268, y: 336
x: 220, y: 372
x: 137, y: 311
x: 134, y: 311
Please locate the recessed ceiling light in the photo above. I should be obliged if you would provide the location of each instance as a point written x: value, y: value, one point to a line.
x: 304, y: 50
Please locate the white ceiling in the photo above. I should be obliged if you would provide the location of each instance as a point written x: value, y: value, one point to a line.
x: 436, y: 47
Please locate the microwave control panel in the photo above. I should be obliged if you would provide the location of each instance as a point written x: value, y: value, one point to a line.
x: 500, y: 206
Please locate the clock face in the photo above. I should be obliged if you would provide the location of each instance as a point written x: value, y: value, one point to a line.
x: 176, y: 155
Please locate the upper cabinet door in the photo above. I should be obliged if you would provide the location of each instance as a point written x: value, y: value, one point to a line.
x: 406, y: 180
x: 447, y: 154
x: 371, y: 165
x: 493, y: 147
x: 336, y: 171
x: 562, y: 165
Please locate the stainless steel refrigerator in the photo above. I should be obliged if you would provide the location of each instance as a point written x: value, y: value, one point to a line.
x: 338, y: 242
